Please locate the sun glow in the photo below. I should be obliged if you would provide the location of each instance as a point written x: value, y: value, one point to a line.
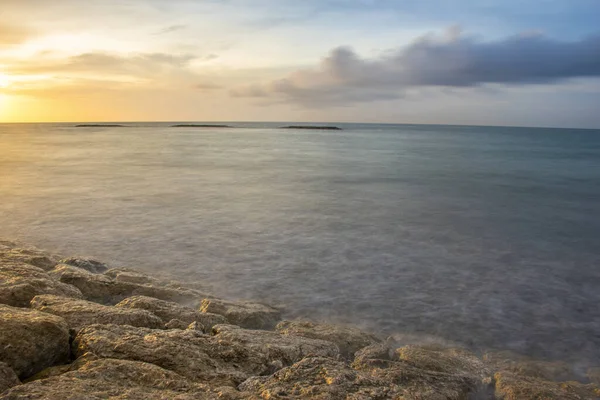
x: 4, y: 81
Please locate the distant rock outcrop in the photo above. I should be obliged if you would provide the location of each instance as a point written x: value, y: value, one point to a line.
x: 315, y: 127
x: 99, y: 126
x: 200, y: 126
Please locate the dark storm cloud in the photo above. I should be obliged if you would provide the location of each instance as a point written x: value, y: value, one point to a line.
x: 454, y: 60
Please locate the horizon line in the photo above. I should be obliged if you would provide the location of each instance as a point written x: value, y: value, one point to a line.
x: 289, y: 122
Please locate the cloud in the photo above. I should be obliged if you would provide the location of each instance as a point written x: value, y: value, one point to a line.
x: 451, y: 60
x: 207, y: 86
x: 99, y: 71
x: 136, y: 64
x: 171, y: 29
x: 13, y: 34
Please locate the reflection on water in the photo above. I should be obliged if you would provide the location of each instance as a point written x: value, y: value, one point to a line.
x: 483, y: 236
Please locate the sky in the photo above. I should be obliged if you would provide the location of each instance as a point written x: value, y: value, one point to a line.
x: 475, y: 62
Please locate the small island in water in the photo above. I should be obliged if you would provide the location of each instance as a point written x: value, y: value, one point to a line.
x: 99, y: 126
x: 200, y: 126
x: 316, y: 127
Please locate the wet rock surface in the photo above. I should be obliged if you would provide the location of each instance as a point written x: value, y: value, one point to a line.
x: 114, y: 379
x: 104, y: 289
x: 510, y: 386
x: 80, y: 313
x: 247, y: 315
x: 10, y: 251
x: 168, y: 310
x: 93, y: 266
x: 31, y: 341
x: 450, y: 361
x: 349, y: 340
x: 21, y: 282
x: 190, y: 353
x: 279, y: 349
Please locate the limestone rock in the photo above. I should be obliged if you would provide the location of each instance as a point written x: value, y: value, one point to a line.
x: 227, y: 359
x: 31, y: 340
x: 510, y: 386
x: 176, y: 324
x: 521, y: 365
x: 277, y: 348
x: 378, y: 351
x: 453, y: 361
x: 189, y: 353
x: 594, y: 375
x: 29, y: 255
x: 131, y: 276
x: 349, y: 340
x: 79, y: 313
x: 114, y: 379
x: 196, y: 326
x: 21, y: 282
x: 97, y: 288
x: 456, y: 375
x: 105, y: 290
x: 320, y: 378
x: 93, y: 266
x: 168, y: 311
x: 247, y: 315
x: 8, y: 378
x: 324, y: 378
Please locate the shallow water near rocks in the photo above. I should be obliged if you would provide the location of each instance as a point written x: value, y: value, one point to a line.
x: 486, y: 237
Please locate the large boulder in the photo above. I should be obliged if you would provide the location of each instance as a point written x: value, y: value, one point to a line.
x: 10, y: 251
x: 31, y: 341
x: 168, y: 311
x: 8, y: 378
x: 21, y: 282
x: 111, y: 379
x: 348, y: 339
x: 419, y: 376
x: 453, y: 361
x: 80, y: 313
x: 320, y: 378
x: 88, y: 264
x: 324, y: 378
x: 104, y: 289
x: 189, y: 353
x: 510, y: 386
x: 522, y: 365
x: 279, y: 349
x: 224, y: 359
x: 245, y: 314
x: 94, y: 287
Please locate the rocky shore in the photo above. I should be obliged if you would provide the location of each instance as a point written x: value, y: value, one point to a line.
x: 73, y: 328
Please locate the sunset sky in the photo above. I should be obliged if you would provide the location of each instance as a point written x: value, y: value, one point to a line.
x: 497, y: 62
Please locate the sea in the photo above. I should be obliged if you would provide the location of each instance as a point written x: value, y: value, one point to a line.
x: 484, y: 237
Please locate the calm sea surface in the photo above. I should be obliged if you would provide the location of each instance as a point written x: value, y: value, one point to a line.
x: 489, y: 237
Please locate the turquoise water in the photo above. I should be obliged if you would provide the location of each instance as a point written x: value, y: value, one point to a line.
x: 489, y: 237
